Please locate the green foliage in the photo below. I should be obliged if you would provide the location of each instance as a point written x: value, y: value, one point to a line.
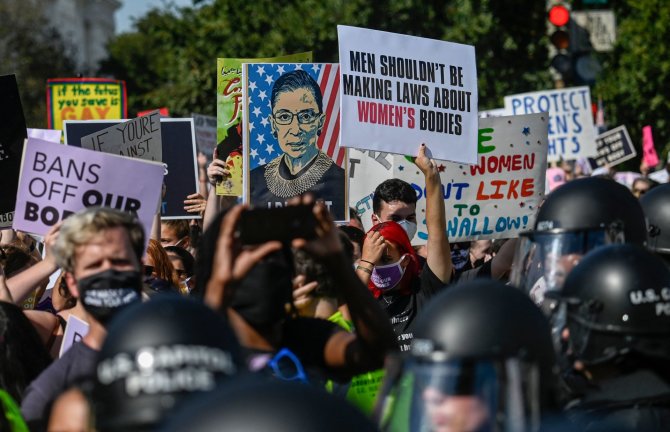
x: 635, y: 84
x: 34, y: 52
x: 170, y: 60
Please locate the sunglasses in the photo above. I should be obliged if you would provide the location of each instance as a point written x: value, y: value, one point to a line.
x: 286, y: 366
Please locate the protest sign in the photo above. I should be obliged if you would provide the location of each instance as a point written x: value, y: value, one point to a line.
x: 229, y: 109
x: 137, y: 138
x: 496, y: 198
x: 179, y: 159
x: 571, y: 131
x: 399, y: 91
x: 52, y: 135
x: 164, y: 112
x: 293, y: 144
x: 58, y: 180
x: 85, y: 99
x: 205, y: 133
x: 75, y: 330
x: 648, y: 150
x: 12, y: 135
x: 614, y: 147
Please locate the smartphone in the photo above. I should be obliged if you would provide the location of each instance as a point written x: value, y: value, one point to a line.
x: 283, y: 224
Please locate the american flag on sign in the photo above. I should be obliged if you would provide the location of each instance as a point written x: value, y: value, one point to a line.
x: 260, y: 78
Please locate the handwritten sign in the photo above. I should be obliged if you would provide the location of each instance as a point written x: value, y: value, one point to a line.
x: 12, y: 135
x: 58, y: 180
x: 496, y: 198
x: 179, y: 158
x: 75, y: 330
x: 571, y: 131
x: 138, y: 138
x: 398, y: 91
x: 85, y: 99
x: 614, y: 147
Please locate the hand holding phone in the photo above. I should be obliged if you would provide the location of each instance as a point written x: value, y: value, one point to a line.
x: 283, y: 224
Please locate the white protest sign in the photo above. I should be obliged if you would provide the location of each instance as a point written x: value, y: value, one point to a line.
x: 205, y: 133
x: 498, y: 197
x: 367, y: 169
x: 57, y: 180
x: 571, y: 131
x: 398, y: 91
x: 137, y: 138
x: 75, y: 330
x: 614, y: 147
x: 52, y: 135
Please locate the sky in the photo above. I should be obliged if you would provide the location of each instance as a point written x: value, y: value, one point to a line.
x: 137, y: 8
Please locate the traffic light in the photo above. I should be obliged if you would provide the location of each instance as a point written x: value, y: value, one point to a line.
x: 558, y: 14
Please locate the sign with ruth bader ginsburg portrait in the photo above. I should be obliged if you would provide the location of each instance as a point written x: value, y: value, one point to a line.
x: 291, y: 125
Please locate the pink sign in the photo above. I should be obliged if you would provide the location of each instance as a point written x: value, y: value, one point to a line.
x: 58, y: 180
x: 648, y: 149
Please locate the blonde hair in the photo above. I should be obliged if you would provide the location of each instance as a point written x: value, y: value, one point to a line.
x: 81, y: 227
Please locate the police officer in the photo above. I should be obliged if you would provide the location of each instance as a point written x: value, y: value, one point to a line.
x: 618, y: 340
x: 482, y: 359
x: 253, y: 404
x: 578, y: 216
x: 656, y: 206
x: 155, y: 355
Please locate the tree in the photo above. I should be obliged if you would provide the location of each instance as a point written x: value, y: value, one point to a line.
x: 169, y: 60
x: 34, y: 51
x: 635, y: 83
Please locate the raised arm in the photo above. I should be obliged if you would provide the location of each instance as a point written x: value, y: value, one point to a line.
x: 374, y: 338
x: 21, y: 285
x: 438, y: 251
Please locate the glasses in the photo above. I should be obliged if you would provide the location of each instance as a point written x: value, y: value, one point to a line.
x: 284, y: 118
x: 640, y: 191
x: 290, y: 369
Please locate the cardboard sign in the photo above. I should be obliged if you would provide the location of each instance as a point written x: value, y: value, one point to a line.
x: 12, y: 135
x: 75, y: 330
x: 85, y: 99
x: 179, y: 159
x: 52, y: 135
x: 614, y: 147
x: 293, y: 135
x: 58, y: 180
x: 496, y: 198
x: 571, y: 131
x: 205, y: 133
x: 399, y: 91
x: 137, y: 138
x: 648, y: 150
x: 229, y: 108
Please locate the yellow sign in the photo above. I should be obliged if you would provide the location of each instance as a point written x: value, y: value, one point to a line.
x: 85, y: 99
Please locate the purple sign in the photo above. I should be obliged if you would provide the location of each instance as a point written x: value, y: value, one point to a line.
x: 58, y: 180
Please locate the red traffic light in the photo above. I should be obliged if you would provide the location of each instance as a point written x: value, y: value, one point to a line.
x: 559, y: 15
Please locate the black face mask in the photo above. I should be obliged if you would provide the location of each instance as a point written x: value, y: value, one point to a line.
x: 104, y: 294
x: 260, y: 298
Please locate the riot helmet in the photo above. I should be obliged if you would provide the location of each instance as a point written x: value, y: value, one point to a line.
x: 656, y: 206
x: 618, y: 302
x: 253, y: 403
x: 155, y: 355
x: 577, y: 217
x: 482, y: 359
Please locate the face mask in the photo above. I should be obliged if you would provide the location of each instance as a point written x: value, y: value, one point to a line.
x: 104, y: 294
x: 459, y: 258
x: 409, y: 227
x: 388, y: 276
x: 260, y: 297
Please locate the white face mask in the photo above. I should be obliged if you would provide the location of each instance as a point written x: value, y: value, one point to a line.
x: 409, y: 227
